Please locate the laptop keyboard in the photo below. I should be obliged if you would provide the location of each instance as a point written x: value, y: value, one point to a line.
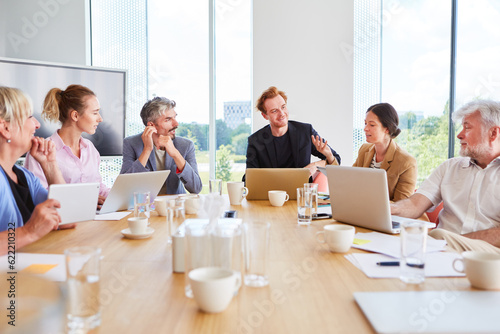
x: 396, y: 225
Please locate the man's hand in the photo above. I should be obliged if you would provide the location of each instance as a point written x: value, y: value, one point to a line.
x: 323, y: 148
x: 166, y: 143
x: 147, y: 138
x: 313, y: 169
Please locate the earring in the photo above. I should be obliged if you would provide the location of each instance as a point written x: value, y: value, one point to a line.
x: 8, y: 141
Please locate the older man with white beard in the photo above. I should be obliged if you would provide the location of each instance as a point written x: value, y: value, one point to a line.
x: 468, y: 186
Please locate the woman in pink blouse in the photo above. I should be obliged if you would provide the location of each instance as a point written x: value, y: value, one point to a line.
x: 77, y: 108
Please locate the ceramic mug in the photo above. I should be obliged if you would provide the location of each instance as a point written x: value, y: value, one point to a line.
x: 137, y: 225
x: 277, y: 197
x: 214, y: 287
x: 237, y: 192
x: 339, y: 238
x: 482, y: 269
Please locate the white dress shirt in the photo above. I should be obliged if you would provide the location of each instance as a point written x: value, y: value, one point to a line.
x: 470, y: 195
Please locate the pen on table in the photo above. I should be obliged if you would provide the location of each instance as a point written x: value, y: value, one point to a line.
x: 388, y: 263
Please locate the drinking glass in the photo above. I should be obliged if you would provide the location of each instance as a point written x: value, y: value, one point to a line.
x: 197, y: 252
x: 256, y: 247
x: 82, y: 270
x: 227, y: 249
x: 313, y: 188
x: 142, y: 202
x: 175, y: 216
x: 304, y: 207
x: 413, y: 244
x: 215, y: 186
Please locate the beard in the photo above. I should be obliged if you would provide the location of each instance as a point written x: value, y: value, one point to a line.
x: 475, y: 152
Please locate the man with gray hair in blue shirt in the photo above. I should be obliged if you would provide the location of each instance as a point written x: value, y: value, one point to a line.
x: 158, y: 148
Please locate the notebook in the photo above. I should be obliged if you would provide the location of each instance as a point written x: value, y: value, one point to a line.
x: 431, y: 311
x: 359, y: 196
x: 78, y: 201
x: 121, y: 195
x: 260, y: 180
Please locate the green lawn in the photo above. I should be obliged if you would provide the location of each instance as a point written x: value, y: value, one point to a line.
x: 202, y: 158
x: 204, y: 179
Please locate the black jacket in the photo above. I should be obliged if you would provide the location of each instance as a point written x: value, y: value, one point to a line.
x: 261, y: 152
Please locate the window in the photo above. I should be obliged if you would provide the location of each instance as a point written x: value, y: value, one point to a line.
x: 478, y: 50
x: 416, y: 79
x: 414, y: 58
x: 164, y: 45
x: 233, y: 86
x: 178, y: 68
x: 119, y: 41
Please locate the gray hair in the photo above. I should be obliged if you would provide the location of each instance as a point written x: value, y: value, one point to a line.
x: 154, y: 108
x: 489, y: 110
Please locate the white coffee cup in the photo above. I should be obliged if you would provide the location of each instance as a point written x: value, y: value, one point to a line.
x: 236, y: 191
x: 191, y: 203
x: 137, y: 225
x: 214, y: 287
x: 482, y: 269
x: 339, y: 238
x: 277, y: 197
x: 160, y: 206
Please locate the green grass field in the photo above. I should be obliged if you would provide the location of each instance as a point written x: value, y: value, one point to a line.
x: 202, y: 157
x: 204, y: 179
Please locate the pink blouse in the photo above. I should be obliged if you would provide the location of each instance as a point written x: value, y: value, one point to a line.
x: 74, y: 170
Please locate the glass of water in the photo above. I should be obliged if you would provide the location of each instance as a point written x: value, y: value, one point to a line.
x: 413, y: 244
x: 83, y: 270
x: 142, y: 202
x: 313, y: 188
x: 215, y: 186
x: 304, y: 206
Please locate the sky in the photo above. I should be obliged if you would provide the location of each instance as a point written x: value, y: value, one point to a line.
x: 416, y: 54
x: 178, y: 41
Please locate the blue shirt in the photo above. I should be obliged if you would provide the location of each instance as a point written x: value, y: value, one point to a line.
x: 9, y: 212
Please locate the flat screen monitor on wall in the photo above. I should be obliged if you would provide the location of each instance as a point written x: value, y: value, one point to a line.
x: 109, y: 85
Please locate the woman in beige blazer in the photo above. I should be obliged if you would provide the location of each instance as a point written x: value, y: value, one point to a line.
x: 381, y: 127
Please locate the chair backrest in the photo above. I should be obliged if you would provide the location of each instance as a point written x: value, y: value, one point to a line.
x: 434, y: 215
x: 322, y: 182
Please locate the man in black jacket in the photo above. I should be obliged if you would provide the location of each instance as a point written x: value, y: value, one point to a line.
x: 284, y: 143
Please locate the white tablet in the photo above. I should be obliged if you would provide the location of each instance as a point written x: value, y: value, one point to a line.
x: 121, y: 195
x: 78, y: 201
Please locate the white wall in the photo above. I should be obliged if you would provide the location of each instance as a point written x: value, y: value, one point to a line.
x: 2, y: 28
x: 296, y: 47
x: 46, y: 30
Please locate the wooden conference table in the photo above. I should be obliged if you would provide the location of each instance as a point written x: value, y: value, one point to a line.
x: 310, y: 291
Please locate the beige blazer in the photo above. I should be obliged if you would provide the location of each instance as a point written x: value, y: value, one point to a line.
x: 400, y: 166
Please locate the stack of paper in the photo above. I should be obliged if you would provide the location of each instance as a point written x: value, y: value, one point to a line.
x: 437, y: 264
x: 390, y: 244
x: 388, y: 247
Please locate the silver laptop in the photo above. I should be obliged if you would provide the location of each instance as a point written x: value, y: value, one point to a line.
x: 260, y: 180
x: 78, y: 201
x: 359, y: 196
x: 121, y: 195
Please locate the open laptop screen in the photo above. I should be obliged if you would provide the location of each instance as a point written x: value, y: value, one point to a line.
x: 260, y: 180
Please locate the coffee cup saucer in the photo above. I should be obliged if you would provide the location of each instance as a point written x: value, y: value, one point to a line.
x: 127, y: 234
